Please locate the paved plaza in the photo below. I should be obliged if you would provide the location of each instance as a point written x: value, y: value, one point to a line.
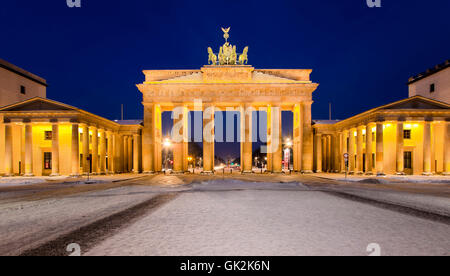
x: 226, y: 215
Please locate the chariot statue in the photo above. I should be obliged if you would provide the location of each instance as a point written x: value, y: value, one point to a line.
x: 227, y: 53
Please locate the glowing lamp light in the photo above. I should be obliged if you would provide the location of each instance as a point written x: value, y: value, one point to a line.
x: 167, y: 143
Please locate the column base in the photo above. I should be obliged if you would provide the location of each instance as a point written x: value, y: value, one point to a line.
x: 8, y: 175
x: 381, y: 174
x: 55, y: 175
x: 207, y: 172
x: 75, y: 175
x: 427, y: 174
x: 446, y: 173
x: 247, y: 172
x: 28, y: 175
x: 360, y: 173
x: 307, y: 172
x: 318, y: 171
x: 177, y: 173
x: 369, y: 173
x: 400, y: 173
x: 149, y: 172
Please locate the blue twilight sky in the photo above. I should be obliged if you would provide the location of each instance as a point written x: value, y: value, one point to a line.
x: 93, y: 56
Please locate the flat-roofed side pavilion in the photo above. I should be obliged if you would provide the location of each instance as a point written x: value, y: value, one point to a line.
x: 44, y: 137
x: 411, y: 136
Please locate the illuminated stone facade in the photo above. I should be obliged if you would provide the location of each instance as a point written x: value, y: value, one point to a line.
x: 43, y: 137
x: 18, y: 85
x: 225, y: 88
x: 411, y: 136
x: 433, y: 83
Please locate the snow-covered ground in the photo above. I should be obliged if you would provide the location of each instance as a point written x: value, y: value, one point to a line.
x: 229, y: 217
x: 20, y: 181
x: 24, y: 181
x: 25, y: 224
x: 218, y: 218
x: 427, y: 203
x: 388, y: 178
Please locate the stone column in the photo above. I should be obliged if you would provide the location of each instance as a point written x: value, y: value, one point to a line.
x: 110, y: 152
x: 55, y: 149
x: 208, y: 139
x: 8, y: 150
x: 351, y: 151
x: 180, y: 139
x: 400, y: 154
x: 85, y: 149
x: 148, y: 139
x: 336, y: 152
x: 359, y: 150
x: 427, y: 148
x: 344, y: 136
x: 125, y: 153
x: 447, y: 148
x: 102, y: 149
x: 379, y: 153
x: 75, y: 150
x: 298, y: 133
x: 246, y: 139
x: 136, y: 153
x: 276, y: 139
x: 118, y: 160
x: 151, y: 139
x: 28, y: 149
x: 318, y: 153
x: 368, y: 149
x: 324, y: 153
x: 307, y: 146
x: 269, y: 139
x: 94, y: 150
x: 130, y: 154
x: 329, y: 155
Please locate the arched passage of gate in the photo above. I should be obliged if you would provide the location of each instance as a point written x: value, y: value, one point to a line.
x: 229, y: 87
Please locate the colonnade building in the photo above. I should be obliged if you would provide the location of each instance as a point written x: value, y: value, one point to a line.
x: 411, y: 136
x: 44, y: 137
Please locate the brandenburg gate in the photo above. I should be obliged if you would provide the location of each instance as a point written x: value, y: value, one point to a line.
x: 227, y: 84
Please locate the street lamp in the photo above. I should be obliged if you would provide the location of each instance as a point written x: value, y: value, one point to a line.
x: 288, y: 143
x: 189, y: 159
x: 167, y: 143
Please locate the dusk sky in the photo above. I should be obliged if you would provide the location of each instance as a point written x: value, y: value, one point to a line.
x: 93, y: 56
